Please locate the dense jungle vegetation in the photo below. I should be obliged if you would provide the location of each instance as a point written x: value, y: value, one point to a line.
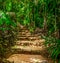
x: 44, y: 14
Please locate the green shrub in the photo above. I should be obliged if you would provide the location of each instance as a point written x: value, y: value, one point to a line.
x: 7, y: 33
x: 53, y: 46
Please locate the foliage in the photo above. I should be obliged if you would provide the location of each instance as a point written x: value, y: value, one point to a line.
x: 53, y: 43
x: 53, y: 46
x: 6, y: 34
x: 44, y: 14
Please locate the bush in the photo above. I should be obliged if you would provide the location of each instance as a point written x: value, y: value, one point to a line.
x: 53, y: 46
x: 7, y: 34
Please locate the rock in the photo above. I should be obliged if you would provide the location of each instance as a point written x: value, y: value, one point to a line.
x: 34, y: 60
x: 44, y: 61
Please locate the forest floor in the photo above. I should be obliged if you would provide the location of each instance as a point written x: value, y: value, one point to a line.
x: 29, y: 48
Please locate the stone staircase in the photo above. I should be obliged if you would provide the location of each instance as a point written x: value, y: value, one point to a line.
x: 29, y: 48
x: 29, y: 43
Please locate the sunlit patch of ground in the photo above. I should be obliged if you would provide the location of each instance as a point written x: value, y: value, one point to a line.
x: 27, y: 58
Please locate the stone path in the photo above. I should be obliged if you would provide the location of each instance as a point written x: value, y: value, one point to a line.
x: 28, y: 58
x: 29, y: 48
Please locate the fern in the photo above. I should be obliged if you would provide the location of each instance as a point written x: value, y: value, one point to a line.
x: 53, y: 46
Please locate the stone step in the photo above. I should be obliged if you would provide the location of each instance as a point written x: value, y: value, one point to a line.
x: 27, y: 43
x: 24, y: 30
x: 28, y: 58
x: 28, y: 38
x: 24, y: 33
x: 22, y: 38
x: 27, y: 35
x: 28, y: 49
